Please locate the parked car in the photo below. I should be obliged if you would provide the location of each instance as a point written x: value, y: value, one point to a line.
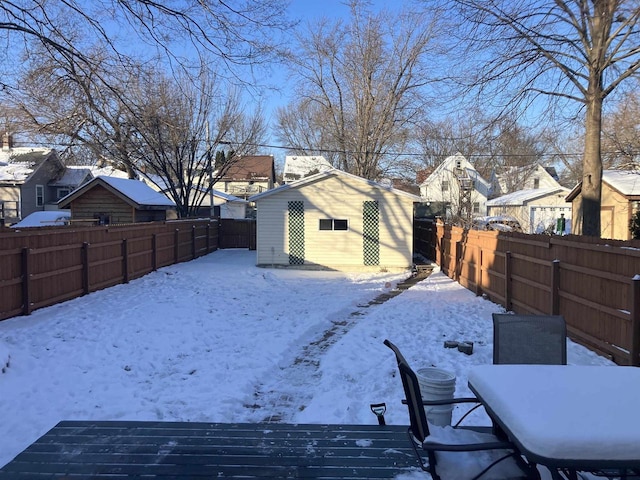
x: 502, y: 223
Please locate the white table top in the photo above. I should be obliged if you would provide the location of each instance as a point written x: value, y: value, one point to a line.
x: 565, y: 414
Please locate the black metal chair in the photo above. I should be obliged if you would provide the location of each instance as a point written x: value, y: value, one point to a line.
x: 497, y: 454
x: 529, y: 339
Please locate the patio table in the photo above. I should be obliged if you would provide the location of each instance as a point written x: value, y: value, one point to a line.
x: 572, y: 418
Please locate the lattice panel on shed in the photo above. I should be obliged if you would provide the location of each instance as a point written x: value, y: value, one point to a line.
x: 371, y: 232
x: 296, y: 232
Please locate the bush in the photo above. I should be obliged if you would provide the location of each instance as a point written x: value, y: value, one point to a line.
x: 634, y: 225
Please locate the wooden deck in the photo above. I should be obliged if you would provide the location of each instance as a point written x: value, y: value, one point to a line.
x: 178, y: 450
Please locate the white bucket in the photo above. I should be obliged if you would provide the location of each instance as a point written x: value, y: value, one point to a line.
x: 437, y: 384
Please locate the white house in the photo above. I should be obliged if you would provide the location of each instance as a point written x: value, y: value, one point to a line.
x: 536, y: 209
x: 335, y: 220
x: 300, y: 166
x: 527, y: 177
x: 459, y: 185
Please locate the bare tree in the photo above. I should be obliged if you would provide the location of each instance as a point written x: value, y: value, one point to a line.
x: 238, y: 34
x: 572, y: 50
x: 178, y: 128
x: 621, y: 134
x: 361, y: 86
x: 142, y: 121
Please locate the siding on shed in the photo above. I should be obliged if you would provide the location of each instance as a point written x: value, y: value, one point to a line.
x: 336, y: 197
x: 99, y: 200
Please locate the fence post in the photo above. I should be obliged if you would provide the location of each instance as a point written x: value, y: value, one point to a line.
x: 209, y: 237
x: 193, y: 241
x: 507, y: 281
x: 555, y: 287
x: 176, y: 245
x: 634, y: 352
x: 125, y: 261
x: 154, y: 252
x: 85, y: 268
x: 457, y: 268
x: 26, y: 281
x: 478, y: 270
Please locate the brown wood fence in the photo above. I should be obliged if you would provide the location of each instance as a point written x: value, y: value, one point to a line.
x: 238, y: 233
x: 593, y: 283
x: 44, y: 266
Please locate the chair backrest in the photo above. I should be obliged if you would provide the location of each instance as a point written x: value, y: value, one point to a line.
x: 529, y: 339
x: 417, y: 415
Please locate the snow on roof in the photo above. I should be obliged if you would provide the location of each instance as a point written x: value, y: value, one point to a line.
x: 72, y: 176
x: 44, y: 219
x: 18, y: 164
x: 522, y: 196
x: 138, y: 191
x: 228, y: 197
x: 328, y: 173
x: 626, y: 182
x: 15, y: 172
x: 298, y: 166
x: 7, y: 156
x: 108, y: 172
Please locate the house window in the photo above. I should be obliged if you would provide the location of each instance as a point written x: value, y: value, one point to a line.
x: 63, y: 192
x: 476, y: 207
x: 445, y: 185
x: 333, y: 224
x: 536, y: 183
x: 39, y: 195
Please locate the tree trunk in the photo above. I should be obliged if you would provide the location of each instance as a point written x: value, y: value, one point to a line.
x: 592, y: 169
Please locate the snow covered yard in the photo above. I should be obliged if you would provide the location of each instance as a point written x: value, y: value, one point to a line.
x: 218, y: 339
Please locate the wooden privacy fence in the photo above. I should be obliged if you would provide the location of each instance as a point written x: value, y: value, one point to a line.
x: 594, y: 283
x: 51, y: 265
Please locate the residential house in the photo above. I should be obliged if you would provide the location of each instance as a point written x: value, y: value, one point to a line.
x: 458, y: 185
x: 31, y: 180
x: 300, y: 166
x: 335, y: 220
x: 536, y: 209
x: 248, y: 175
x: 528, y: 177
x: 619, y: 201
x: 109, y: 200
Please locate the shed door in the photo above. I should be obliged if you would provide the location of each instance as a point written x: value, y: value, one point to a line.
x: 371, y: 233
x: 296, y: 233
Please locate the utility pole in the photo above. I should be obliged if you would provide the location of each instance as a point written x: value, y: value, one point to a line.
x: 212, y: 209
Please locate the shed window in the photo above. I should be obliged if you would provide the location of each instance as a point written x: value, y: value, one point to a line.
x: 39, y: 195
x: 333, y: 224
x: 445, y: 185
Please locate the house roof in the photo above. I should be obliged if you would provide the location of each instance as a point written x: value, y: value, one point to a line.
x: 522, y: 196
x: 228, y: 197
x: 627, y: 182
x: 251, y: 167
x: 19, y: 166
x: 72, y: 177
x: 299, y: 166
x: 134, y: 192
x: 445, y: 166
x: 330, y: 173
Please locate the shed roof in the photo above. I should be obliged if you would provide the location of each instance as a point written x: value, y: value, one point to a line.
x: 331, y: 173
x: 627, y: 182
x: 135, y: 192
x: 522, y: 196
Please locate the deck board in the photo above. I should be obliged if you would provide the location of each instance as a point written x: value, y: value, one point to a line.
x: 179, y: 450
